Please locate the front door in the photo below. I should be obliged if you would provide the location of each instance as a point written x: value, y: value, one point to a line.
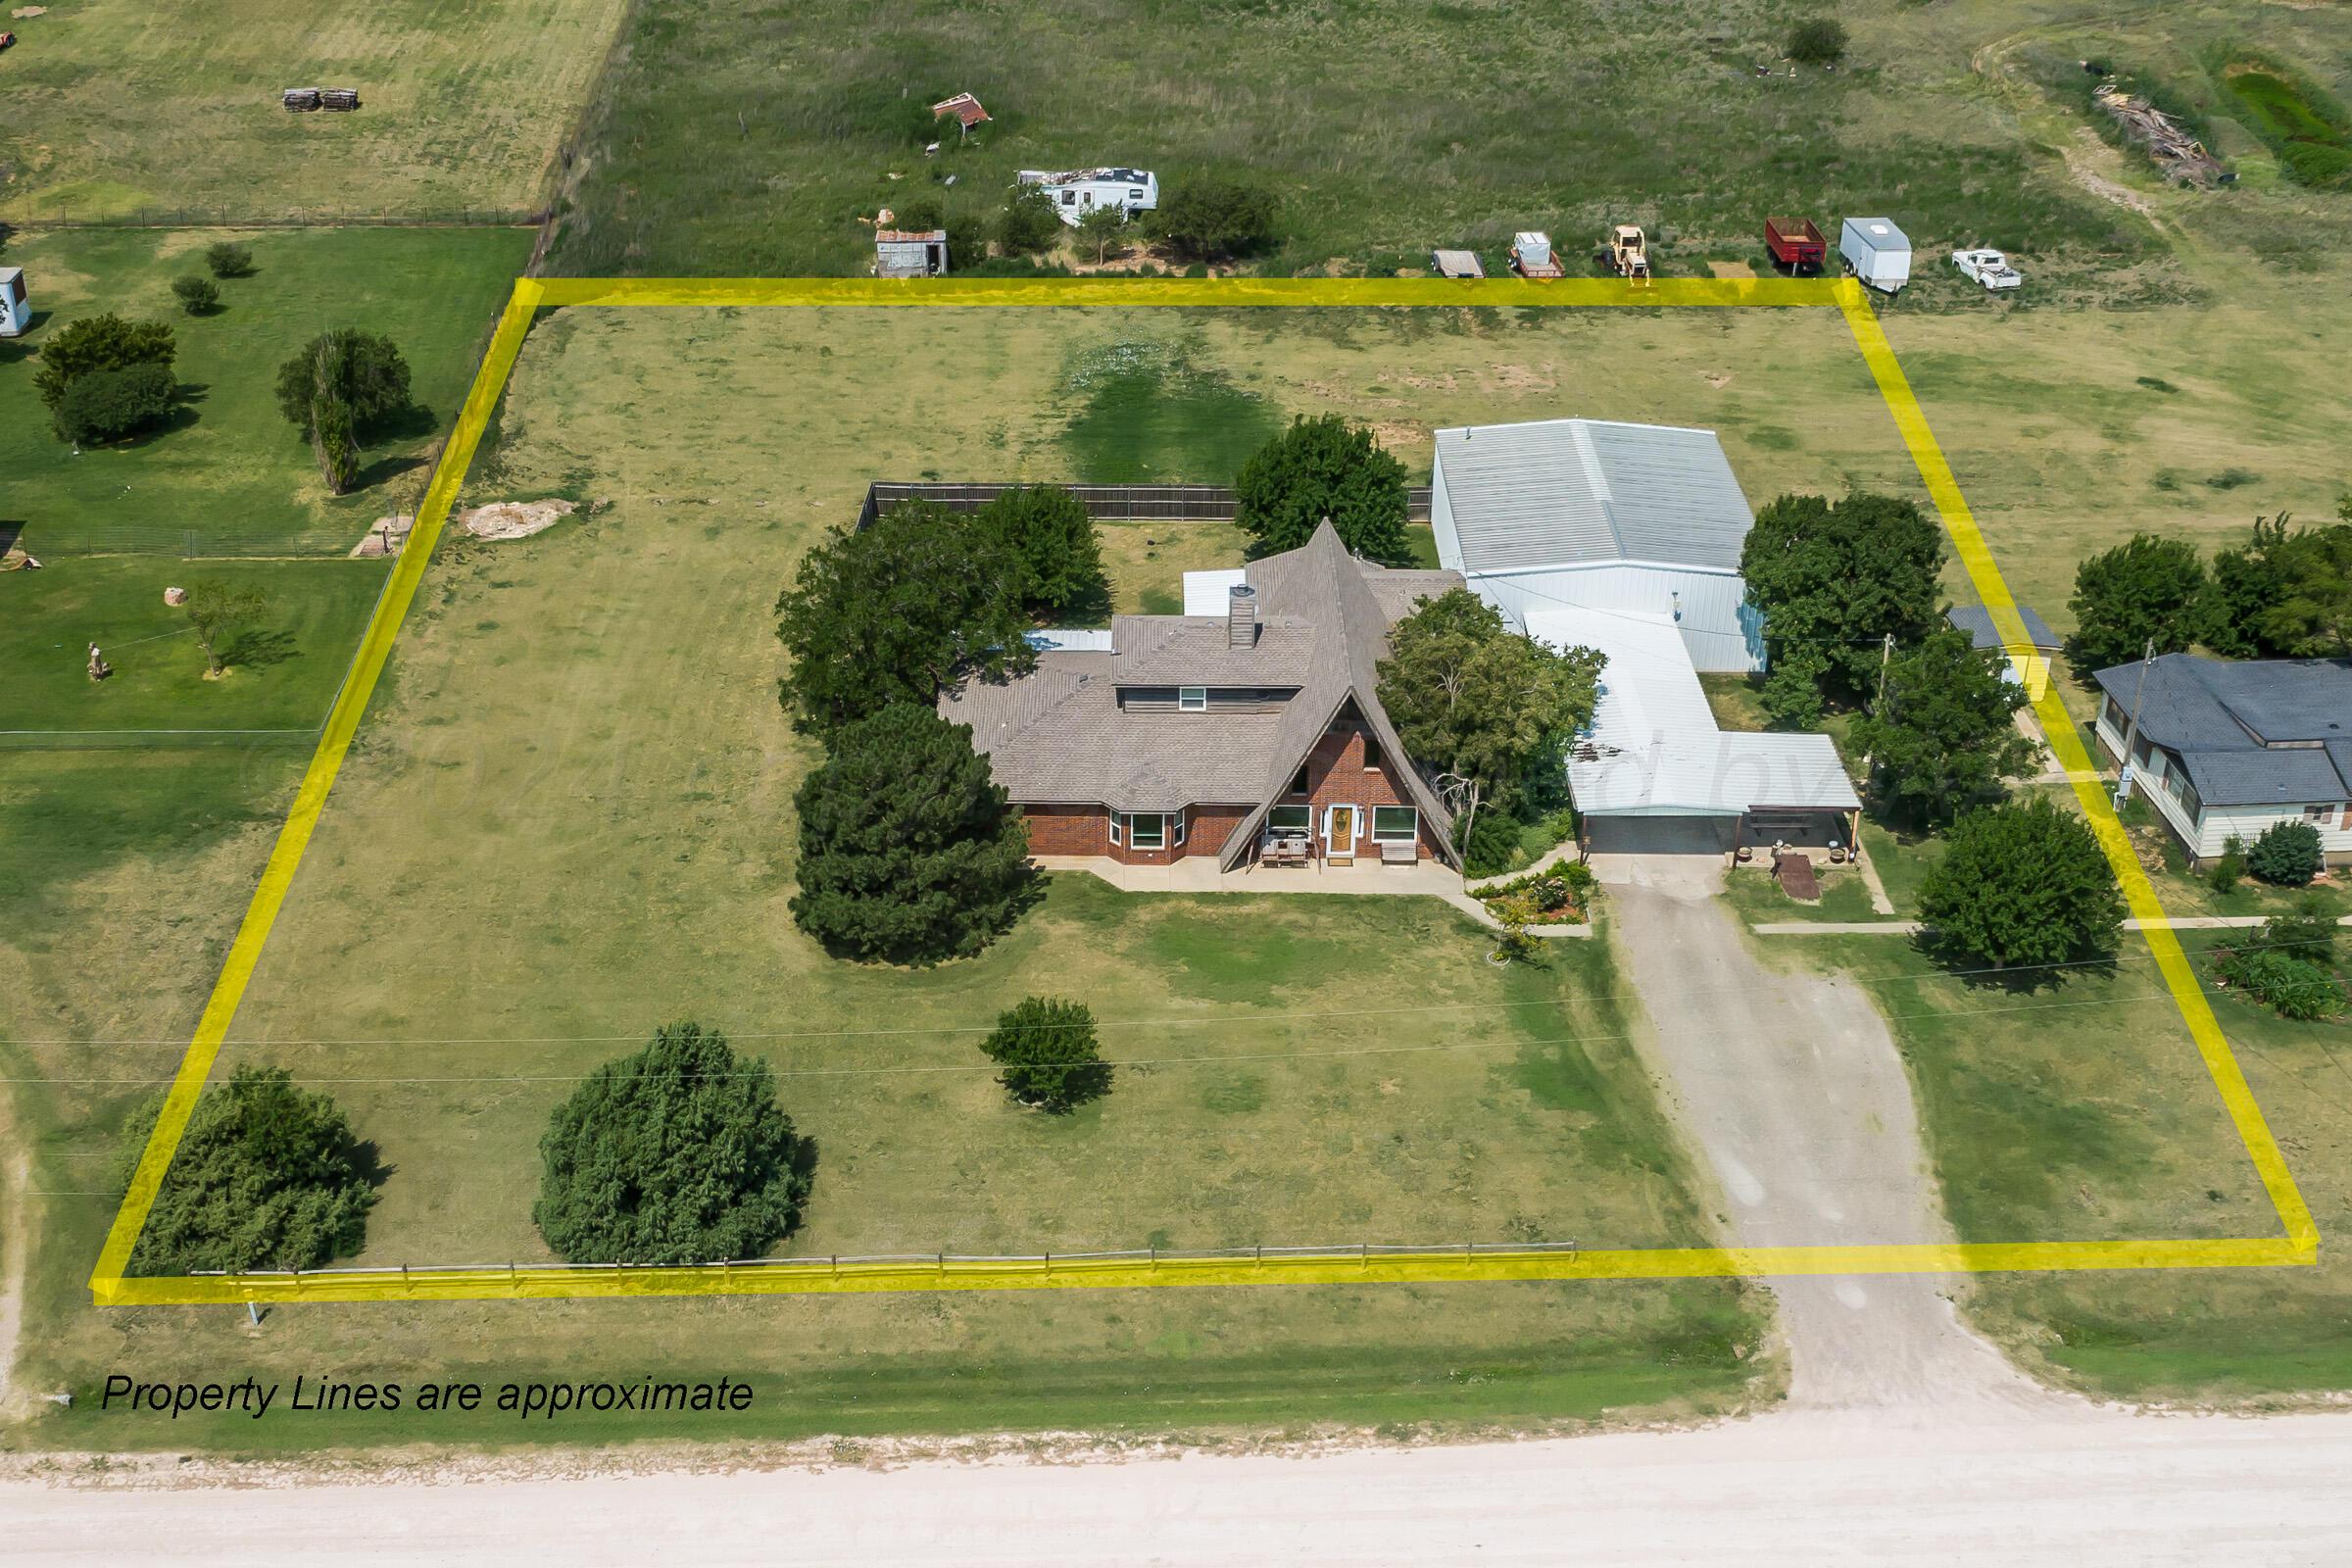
x: 1339, y: 830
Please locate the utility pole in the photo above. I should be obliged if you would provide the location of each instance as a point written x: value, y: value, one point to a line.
x: 1879, y: 705
x: 2123, y: 780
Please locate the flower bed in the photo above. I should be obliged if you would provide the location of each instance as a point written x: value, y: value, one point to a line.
x: 1559, y: 896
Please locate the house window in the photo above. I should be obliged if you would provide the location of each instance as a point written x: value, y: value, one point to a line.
x: 2318, y: 815
x: 1290, y: 818
x: 1192, y: 699
x: 1146, y: 830
x: 1070, y: 198
x: 1298, y: 784
x: 2193, y: 805
x: 2144, y: 754
x: 1117, y: 825
x: 1395, y: 824
x: 1371, y: 754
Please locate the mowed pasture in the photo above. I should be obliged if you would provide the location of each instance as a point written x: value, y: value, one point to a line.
x: 123, y: 107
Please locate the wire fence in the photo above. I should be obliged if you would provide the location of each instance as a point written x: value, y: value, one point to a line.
x: 88, y: 537
x: 1105, y: 502
x: 940, y: 1264
x: 61, y: 213
x: 124, y: 740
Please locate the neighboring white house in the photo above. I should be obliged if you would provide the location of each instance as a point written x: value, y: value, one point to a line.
x: 2226, y: 749
x: 1078, y: 191
x: 1638, y: 519
x: 1653, y: 773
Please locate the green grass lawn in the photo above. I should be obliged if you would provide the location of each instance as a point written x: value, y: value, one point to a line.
x: 1387, y: 128
x: 230, y: 475
x: 123, y: 106
x: 283, y: 668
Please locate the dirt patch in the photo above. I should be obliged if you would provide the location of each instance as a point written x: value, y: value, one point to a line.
x: 2087, y: 146
x: 1730, y: 269
x: 514, y: 519
x: 21, y: 12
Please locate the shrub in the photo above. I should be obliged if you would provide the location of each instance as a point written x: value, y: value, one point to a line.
x: 1029, y: 223
x: 97, y: 343
x: 908, y: 851
x: 1819, y: 41
x: 2286, y: 854
x: 1493, y: 840
x: 198, y: 296
x: 266, y: 1177
x: 2229, y: 867
x: 676, y: 1154
x: 228, y: 258
x: 340, y: 384
x: 1322, y: 468
x: 2309, y: 932
x: 1050, y: 1058
x: 2023, y: 883
x: 109, y: 405
x: 1211, y: 219
x: 2291, y: 987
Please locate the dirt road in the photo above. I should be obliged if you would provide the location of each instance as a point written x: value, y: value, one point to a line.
x: 1811, y: 1489
x: 1791, y: 1088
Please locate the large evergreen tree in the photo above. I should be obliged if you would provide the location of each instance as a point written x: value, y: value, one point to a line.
x: 908, y: 850
x: 338, y: 391
x: 897, y: 611
x: 1476, y: 702
x: 266, y: 1176
x: 2146, y: 588
x: 1941, y: 740
x: 1325, y: 468
x: 1835, y: 578
x: 676, y: 1154
x: 2021, y: 884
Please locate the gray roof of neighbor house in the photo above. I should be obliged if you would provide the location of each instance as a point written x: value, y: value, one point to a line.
x: 1976, y: 621
x: 1059, y: 736
x: 1571, y: 492
x: 2261, y: 732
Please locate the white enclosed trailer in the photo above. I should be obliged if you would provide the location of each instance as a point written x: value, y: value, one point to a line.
x: 15, y: 311
x: 1876, y: 252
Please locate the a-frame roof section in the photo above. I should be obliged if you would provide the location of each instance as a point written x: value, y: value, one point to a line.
x: 1351, y: 604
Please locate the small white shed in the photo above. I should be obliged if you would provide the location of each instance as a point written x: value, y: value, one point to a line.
x: 15, y: 309
x: 911, y: 253
x: 1876, y: 252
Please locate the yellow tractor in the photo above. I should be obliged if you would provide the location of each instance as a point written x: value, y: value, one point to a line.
x: 1628, y: 251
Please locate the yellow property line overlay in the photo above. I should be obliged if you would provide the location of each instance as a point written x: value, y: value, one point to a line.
x: 111, y: 1286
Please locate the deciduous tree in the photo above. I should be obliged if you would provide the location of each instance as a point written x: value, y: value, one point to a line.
x: 266, y: 1176
x: 1052, y: 532
x: 1325, y: 468
x: 216, y: 608
x: 337, y: 391
x: 2021, y: 884
x: 109, y: 405
x: 1942, y: 739
x: 1029, y: 223
x: 1476, y: 704
x: 1209, y: 219
x: 897, y: 612
x: 2146, y: 587
x: 676, y: 1154
x: 1102, y: 227
x: 910, y: 852
x: 1833, y: 579
x: 1051, y: 1058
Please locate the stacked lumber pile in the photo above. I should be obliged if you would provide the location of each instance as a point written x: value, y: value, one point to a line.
x: 2179, y: 155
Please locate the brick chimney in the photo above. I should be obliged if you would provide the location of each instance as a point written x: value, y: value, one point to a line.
x: 1241, y: 616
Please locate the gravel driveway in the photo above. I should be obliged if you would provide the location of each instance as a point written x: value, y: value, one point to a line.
x: 1790, y: 1087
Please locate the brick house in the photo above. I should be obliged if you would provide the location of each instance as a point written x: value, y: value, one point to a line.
x: 1227, y: 735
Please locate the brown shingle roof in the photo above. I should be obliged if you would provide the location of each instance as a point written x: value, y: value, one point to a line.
x: 1058, y: 735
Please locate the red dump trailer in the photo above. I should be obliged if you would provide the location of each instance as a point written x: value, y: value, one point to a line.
x: 1795, y: 243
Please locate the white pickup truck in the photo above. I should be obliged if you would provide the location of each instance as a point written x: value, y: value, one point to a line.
x: 1988, y: 268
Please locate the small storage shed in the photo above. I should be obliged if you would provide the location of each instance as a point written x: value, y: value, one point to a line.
x: 15, y: 309
x: 911, y: 253
x: 1876, y: 252
x: 2028, y: 666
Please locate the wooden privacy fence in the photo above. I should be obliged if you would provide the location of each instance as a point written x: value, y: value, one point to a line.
x: 1105, y: 502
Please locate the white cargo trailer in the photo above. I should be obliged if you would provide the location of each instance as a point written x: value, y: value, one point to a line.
x: 1876, y: 252
x: 15, y: 309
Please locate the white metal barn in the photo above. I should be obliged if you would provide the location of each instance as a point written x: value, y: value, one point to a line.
x: 1638, y: 520
x: 1652, y: 773
x: 1078, y: 191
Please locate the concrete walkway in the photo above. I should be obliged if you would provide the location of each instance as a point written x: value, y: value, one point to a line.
x: 1791, y: 1088
x: 1426, y: 879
